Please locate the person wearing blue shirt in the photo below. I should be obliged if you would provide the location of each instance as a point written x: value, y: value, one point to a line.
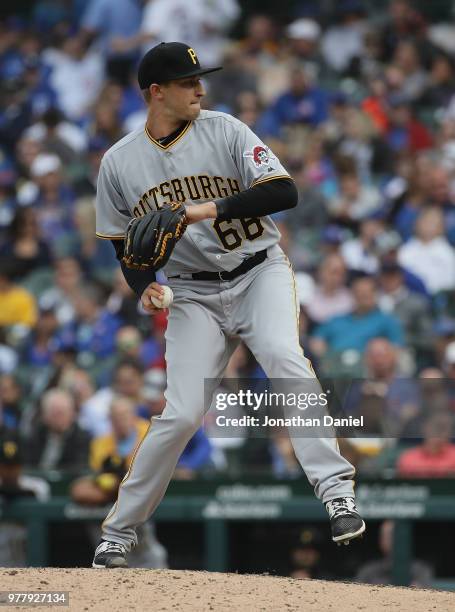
x: 196, y: 456
x: 110, y: 21
x: 302, y: 104
x: 356, y: 329
x: 94, y: 329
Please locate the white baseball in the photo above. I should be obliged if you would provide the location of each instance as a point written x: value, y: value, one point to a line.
x: 166, y: 300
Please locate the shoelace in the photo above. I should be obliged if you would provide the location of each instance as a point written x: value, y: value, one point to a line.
x: 339, y: 507
x: 112, y: 547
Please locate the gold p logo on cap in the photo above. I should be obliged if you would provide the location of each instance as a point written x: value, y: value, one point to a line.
x: 9, y: 449
x: 192, y: 54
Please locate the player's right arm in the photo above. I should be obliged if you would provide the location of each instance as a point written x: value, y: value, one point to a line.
x: 112, y: 218
x: 270, y: 188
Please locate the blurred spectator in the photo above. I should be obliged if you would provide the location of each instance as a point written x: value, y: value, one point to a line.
x: 17, y: 305
x: 8, y: 356
x: 302, y: 104
x: 52, y: 200
x: 331, y: 296
x: 375, y: 104
x: 440, y: 193
x: 58, y: 442
x: 15, y: 111
x: 355, y: 201
x: 356, y: 329
x: 429, y: 254
x: 67, y: 280
x: 85, y: 184
x: 92, y: 332
x: 76, y: 75
x: 403, y: 21
x: 27, y: 150
x: 435, y: 457
x: 449, y: 369
x: 153, y: 393
x: 57, y: 135
x: 411, y: 309
x: 360, y: 254
x: 127, y: 431
x: 449, y: 360
x: 196, y: 457
x: 8, y: 178
x: 304, y: 36
x: 96, y: 256
x: 406, y: 58
x: 306, y: 556
x: 42, y: 343
x: 128, y: 380
x: 301, y: 226
x: 343, y: 43
x: 380, y: 572
x: 406, y: 133
x: 358, y: 141
x: 235, y: 88
x: 386, y: 399
x: 131, y: 345
x: 441, y: 83
x: 24, y: 246
x: 11, y: 401
x: 15, y: 485
x: 106, y: 122
x: 201, y: 25
x: 284, y: 461
x: 79, y: 384
x: 109, y: 24
x: 407, y: 195
x: 434, y: 398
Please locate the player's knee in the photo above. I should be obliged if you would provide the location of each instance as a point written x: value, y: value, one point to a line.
x: 278, y: 351
x: 283, y: 359
x: 188, y: 423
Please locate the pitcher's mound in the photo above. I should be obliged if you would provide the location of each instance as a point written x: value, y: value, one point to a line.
x: 162, y: 590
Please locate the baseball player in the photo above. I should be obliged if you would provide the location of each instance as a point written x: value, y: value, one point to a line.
x: 230, y: 279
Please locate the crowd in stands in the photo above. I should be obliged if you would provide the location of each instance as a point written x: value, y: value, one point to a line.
x: 360, y: 107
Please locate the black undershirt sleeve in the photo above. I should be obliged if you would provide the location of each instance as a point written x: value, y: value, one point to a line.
x: 138, y: 280
x: 258, y: 201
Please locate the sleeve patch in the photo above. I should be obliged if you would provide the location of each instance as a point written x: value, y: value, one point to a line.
x: 260, y: 156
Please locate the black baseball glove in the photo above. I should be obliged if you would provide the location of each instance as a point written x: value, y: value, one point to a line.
x: 150, y: 240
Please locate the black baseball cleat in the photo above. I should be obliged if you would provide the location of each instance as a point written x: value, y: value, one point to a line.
x: 345, y: 521
x: 110, y: 555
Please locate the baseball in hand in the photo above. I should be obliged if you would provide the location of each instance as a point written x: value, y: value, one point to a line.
x: 166, y: 300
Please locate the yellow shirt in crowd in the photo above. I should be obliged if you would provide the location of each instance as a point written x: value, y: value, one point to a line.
x: 17, y: 306
x: 106, y: 446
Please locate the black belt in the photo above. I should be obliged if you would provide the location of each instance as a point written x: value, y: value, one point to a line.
x: 224, y: 275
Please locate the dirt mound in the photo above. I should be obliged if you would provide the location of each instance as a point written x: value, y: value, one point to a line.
x: 161, y: 590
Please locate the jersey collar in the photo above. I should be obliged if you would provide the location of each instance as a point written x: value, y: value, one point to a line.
x: 180, y: 133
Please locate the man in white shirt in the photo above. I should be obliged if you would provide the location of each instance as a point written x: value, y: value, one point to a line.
x: 429, y: 255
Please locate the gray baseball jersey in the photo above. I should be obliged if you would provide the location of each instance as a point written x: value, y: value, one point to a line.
x: 215, y: 156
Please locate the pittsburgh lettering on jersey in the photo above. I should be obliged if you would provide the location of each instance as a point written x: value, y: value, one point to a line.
x: 199, y: 187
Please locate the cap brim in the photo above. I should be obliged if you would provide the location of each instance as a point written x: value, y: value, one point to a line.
x: 197, y: 72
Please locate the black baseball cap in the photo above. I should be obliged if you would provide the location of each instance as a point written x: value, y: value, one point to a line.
x: 10, y: 451
x: 169, y: 61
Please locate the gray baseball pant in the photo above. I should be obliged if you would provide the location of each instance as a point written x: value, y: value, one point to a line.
x: 205, y: 322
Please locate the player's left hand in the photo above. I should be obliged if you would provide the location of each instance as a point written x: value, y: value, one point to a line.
x: 200, y: 212
x: 153, y: 290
